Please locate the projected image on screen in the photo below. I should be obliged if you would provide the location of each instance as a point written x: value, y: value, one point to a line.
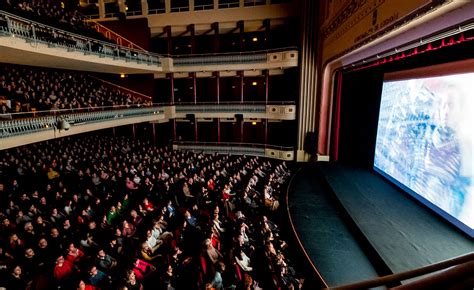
x: 425, y: 141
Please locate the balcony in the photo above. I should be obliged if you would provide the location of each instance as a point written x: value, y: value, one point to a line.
x: 47, y: 46
x: 18, y: 129
x: 261, y: 150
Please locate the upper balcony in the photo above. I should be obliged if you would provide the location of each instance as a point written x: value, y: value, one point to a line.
x: 42, y: 45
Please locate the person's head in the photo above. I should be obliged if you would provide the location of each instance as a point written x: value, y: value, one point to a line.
x: 101, y: 254
x: 60, y: 260
x: 29, y: 253
x: 72, y: 247
x: 131, y: 276
x: 54, y: 233
x: 16, y: 271
x: 82, y: 285
x: 93, y: 271
x: 133, y: 213
x: 42, y: 243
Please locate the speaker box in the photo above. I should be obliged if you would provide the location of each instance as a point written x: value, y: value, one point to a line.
x: 122, y: 16
x: 191, y: 118
x: 239, y: 117
x: 310, y: 142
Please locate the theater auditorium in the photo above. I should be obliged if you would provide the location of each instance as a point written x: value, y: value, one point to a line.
x: 236, y: 144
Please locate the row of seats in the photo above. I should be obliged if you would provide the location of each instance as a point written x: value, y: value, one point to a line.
x: 102, y: 212
x: 36, y: 89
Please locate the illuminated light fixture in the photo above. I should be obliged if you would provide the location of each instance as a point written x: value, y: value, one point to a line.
x: 122, y: 76
x: 254, y: 39
x: 254, y: 123
x: 126, y: 8
x: 254, y: 83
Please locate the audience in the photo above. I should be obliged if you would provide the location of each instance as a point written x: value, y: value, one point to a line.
x: 27, y: 87
x: 60, y: 14
x: 71, y: 232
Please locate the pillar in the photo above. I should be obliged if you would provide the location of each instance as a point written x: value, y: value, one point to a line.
x: 144, y: 4
x: 308, y: 90
x: 241, y: 74
x: 101, y: 9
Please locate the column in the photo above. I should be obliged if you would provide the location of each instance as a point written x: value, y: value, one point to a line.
x: 216, y: 4
x: 171, y: 77
x: 144, y: 7
x: 215, y: 27
x: 154, y: 133
x: 193, y: 75
x: 218, y: 86
x: 240, y: 26
x: 169, y: 39
x: 266, y: 40
x: 122, y: 6
x: 265, y: 122
x: 192, y: 31
x: 191, y: 5
x: 167, y: 6
x: 241, y: 74
x: 308, y: 90
x: 101, y: 9
x: 267, y: 78
x: 196, y: 130
x: 218, y: 130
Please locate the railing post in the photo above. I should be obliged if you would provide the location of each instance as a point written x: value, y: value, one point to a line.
x: 9, y: 24
x: 33, y: 30
x: 267, y: 78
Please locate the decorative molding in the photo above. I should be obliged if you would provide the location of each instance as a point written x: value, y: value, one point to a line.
x: 364, y: 12
x: 345, y: 14
x: 435, y: 4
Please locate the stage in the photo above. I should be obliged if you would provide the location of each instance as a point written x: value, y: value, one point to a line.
x: 355, y: 225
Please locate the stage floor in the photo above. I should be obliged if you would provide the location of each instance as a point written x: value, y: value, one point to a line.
x: 399, y: 231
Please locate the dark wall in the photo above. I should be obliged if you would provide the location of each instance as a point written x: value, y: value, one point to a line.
x: 360, y: 104
x: 142, y: 83
x: 135, y: 30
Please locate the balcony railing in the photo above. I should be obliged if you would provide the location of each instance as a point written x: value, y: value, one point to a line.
x: 229, y: 58
x: 197, y: 60
x: 220, y: 108
x: 14, y: 124
x: 37, y: 33
x: 27, y: 125
x: 252, y: 149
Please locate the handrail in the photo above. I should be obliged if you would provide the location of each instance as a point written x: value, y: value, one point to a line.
x: 409, y: 274
x: 180, y: 9
x: 252, y: 52
x: 235, y: 144
x: 143, y: 96
x: 26, y: 115
x: 235, y: 103
x: 11, y: 128
x: 99, y: 26
x: 26, y: 28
